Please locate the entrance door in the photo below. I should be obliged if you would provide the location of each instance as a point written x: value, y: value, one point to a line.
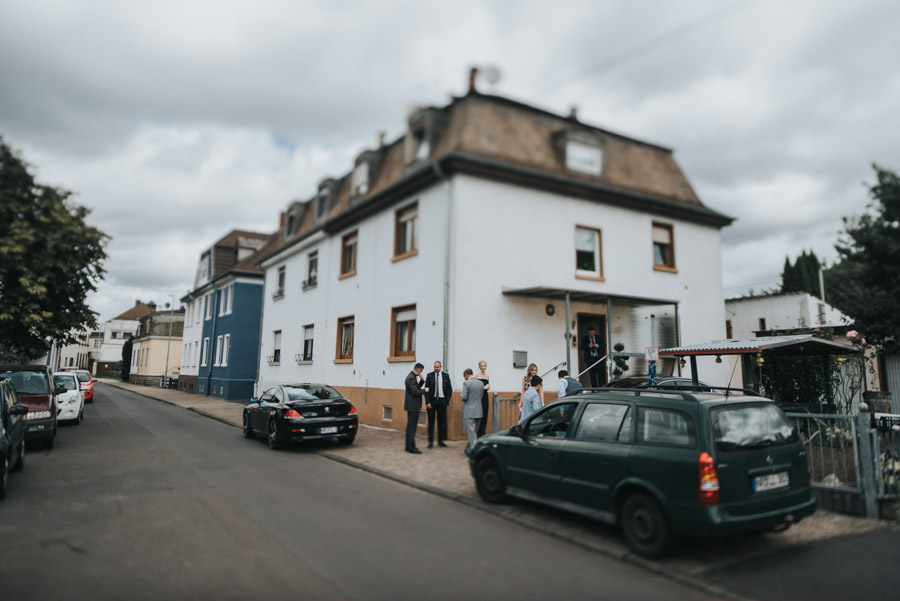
x: 584, y: 322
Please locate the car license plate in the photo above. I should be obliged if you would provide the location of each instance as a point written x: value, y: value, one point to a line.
x: 328, y: 430
x: 771, y: 481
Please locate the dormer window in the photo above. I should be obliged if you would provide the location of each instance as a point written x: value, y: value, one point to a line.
x: 360, y: 179
x: 422, y: 147
x: 585, y: 158
x: 321, y: 206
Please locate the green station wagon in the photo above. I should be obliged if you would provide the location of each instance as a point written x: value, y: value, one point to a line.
x: 658, y: 463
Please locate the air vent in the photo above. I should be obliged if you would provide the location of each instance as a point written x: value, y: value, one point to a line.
x: 387, y: 413
x: 520, y: 359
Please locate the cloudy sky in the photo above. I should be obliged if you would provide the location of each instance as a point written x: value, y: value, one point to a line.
x: 176, y: 121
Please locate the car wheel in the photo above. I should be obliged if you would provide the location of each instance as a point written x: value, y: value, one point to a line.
x: 489, y: 480
x: 248, y: 431
x: 4, y: 480
x: 20, y: 459
x: 645, y: 526
x: 347, y: 441
x: 274, y: 439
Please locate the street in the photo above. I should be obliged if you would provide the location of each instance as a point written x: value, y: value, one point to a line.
x: 147, y: 501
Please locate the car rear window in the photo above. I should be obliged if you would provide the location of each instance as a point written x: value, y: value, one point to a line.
x: 312, y: 393
x: 83, y: 376
x: 742, y: 427
x: 27, y: 381
x: 66, y: 381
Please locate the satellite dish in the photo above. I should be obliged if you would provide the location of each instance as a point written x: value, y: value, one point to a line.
x: 491, y: 74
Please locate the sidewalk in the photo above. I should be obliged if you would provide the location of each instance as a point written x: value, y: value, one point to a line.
x: 445, y: 472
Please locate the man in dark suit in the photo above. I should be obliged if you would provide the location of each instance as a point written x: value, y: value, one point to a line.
x: 594, y: 348
x: 412, y: 404
x: 437, y: 383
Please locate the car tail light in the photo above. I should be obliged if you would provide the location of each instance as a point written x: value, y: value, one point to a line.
x: 352, y: 410
x: 293, y: 414
x: 708, y: 481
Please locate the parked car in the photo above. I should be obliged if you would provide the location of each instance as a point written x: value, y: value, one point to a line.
x: 12, y: 433
x: 71, y: 402
x: 297, y: 412
x: 86, y: 381
x: 657, y: 463
x: 667, y: 382
x: 33, y: 384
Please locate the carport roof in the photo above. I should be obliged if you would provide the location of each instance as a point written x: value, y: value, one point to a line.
x: 798, y: 344
x: 554, y: 293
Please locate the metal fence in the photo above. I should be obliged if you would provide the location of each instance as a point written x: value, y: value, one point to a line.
x: 833, y: 449
x: 886, y: 442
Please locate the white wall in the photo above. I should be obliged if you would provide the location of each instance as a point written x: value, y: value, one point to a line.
x: 781, y: 312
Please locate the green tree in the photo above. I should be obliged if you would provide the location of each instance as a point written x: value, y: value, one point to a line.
x: 802, y: 275
x: 50, y: 259
x: 126, y: 359
x: 865, y: 282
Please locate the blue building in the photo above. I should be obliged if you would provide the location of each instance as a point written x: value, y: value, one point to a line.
x: 222, y: 319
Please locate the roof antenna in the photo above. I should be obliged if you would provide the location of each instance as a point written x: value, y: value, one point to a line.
x: 730, y: 380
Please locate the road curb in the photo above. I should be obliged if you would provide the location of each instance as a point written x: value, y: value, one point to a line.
x: 506, y: 514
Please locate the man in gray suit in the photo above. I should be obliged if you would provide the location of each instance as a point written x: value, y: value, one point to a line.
x: 412, y: 404
x: 472, y: 390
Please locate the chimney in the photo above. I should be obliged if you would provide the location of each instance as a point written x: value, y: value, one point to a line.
x: 380, y: 140
x: 152, y: 305
x: 473, y: 73
x: 573, y: 113
x: 282, y: 220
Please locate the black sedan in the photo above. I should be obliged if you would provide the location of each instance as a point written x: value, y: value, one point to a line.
x: 297, y: 412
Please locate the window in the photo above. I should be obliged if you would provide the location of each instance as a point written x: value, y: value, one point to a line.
x: 552, y: 422
x: 345, y: 327
x: 422, y: 148
x: 348, y: 255
x: 360, y: 179
x: 204, y: 355
x: 225, y: 298
x: 605, y: 422
x: 663, y: 247
x: 226, y: 342
x: 729, y: 333
x: 307, y: 354
x: 321, y: 206
x: 275, y: 357
x: 762, y: 324
x: 665, y: 427
x: 405, y: 231
x: 403, y: 332
x: 279, y: 290
x: 207, y: 305
x: 218, y: 359
x: 585, y: 158
x: 312, y: 270
x: 588, y: 253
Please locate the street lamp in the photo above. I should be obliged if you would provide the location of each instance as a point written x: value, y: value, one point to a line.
x: 168, y: 342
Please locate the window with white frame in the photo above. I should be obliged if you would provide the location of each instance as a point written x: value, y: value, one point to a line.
x: 588, y: 253
x: 218, y: 360
x: 586, y: 158
x: 225, y: 299
x: 204, y: 354
x: 321, y: 206
x: 207, y: 305
x: 360, y: 179
x: 279, y: 290
x: 308, y: 332
x: 226, y: 342
x: 312, y: 270
x: 276, y: 346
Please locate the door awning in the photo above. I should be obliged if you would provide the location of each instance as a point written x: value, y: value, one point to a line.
x: 799, y: 344
x: 550, y: 292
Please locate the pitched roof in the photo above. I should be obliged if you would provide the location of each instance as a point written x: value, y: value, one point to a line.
x: 135, y: 313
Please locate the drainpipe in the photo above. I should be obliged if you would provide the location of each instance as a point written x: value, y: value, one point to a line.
x: 568, y: 339
x: 448, y: 215
x: 262, y: 313
x: 212, y: 339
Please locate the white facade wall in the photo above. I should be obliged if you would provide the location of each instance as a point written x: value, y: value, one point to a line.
x: 111, y: 349
x: 502, y: 236
x: 193, y: 330
x: 781, y: 312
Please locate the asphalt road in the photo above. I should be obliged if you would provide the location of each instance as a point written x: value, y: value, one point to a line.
x: 148, y: 501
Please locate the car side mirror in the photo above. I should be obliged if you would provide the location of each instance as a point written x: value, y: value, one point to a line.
x: 515, y: 430
x: 60, y: 390
x: 254, y: 400
x: 18, y: 409
x: 93, y: 380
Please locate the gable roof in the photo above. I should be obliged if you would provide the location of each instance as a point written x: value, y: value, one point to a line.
x: 135, y: 313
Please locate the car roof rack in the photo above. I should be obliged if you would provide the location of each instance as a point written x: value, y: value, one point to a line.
x: 685, y: 392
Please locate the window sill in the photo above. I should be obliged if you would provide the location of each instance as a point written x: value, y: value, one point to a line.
x: 665, y: 268
x: 406, y: 359
x: 347, y: 275
x: 304, y: 361
x: 276, y: 296
x: 349, y: 360
x: 593, y: 278
x: 274, y: 363
x: 406, y: 255
x: 309, y: 286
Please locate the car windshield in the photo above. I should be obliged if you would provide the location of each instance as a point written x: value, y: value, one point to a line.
x: 751, y: 427
x: 83, y: 376
x: 65, y: 380
x: 312, y: 393
x: 27, y: 381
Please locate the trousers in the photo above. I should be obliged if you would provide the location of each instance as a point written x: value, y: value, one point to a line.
x: 412, y: 424
x: 439, y: 412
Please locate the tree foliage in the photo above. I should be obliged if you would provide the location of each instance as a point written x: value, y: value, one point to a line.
x: 802, y: 275
x: 126, y: 358
x: 865, y: 282
x: 50, y: 259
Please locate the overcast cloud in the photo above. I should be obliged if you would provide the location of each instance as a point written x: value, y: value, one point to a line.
x: 175, y: 122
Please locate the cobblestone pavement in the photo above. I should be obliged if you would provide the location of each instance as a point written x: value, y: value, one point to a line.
x: 445, y: 471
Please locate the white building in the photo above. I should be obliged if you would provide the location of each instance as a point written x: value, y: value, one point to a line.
x: 750, y: 314
x: 115, y: 332
x: 491, y: 230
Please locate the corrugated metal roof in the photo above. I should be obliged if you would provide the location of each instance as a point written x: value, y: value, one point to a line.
x: 798, y: 344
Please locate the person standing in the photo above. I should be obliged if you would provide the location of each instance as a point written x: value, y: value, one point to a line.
x: 485, y: 400
x: 531, y: 400
x: 567, y: 384
x: 594, y: 348
x: 472, y: 390
x: 412, y: 404
x: 436, y: 401
x: 526, y: 383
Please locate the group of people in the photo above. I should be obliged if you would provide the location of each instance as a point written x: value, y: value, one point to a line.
x: 437, y: 389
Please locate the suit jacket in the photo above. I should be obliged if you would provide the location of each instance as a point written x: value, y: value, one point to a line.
x: 447, y: 389
x: 413, y: 399
x: 472, y: 390
x: 601, y: 349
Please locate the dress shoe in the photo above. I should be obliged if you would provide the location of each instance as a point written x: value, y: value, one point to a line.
x: 414, y: 451
x: 440, y: 444
x: 430, y: 445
